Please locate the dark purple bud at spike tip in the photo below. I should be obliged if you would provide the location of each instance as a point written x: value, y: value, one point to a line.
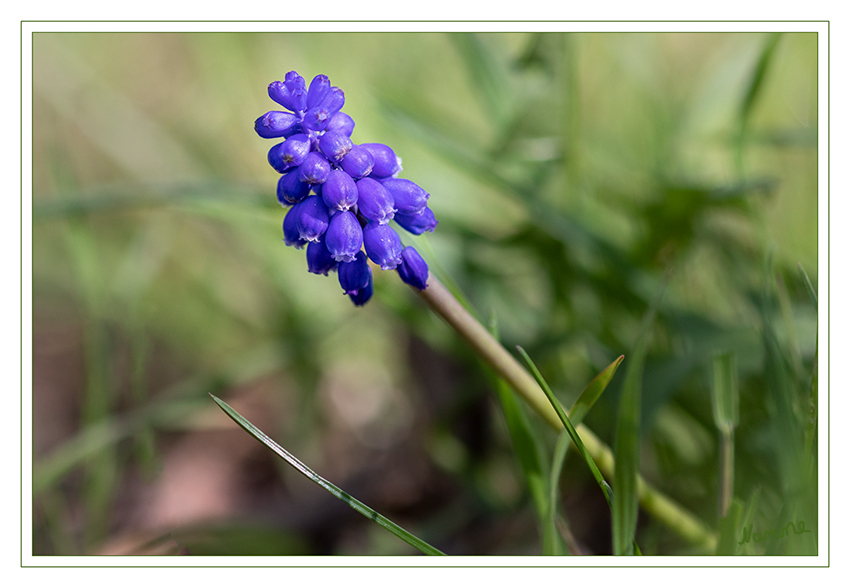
x: 387, y: 164
x: 315, y: 169
x: 354, y: 275
x: 374, y: 201
x: 417, y: 223
x: 413, y: 270
x: 291, y: 236
x: 344, y: 237
x: 318, y: 90
x: 275, y: 124
x: 409, y: 198
x: 339, y: 191
x: 290, y: 189
x: 383, y: 245
x: 335, y: 145
x: 341, y: 123
x: 312, y: 219
x: 363, y: 296
x: 358, y: 163
x: 297, y: 91
x: 319, y: 259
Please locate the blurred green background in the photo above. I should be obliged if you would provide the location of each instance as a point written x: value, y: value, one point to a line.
x: 569, y: 172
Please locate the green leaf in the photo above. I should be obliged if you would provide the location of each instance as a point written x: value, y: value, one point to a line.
x: 593, y: 391
x: 336, y: 492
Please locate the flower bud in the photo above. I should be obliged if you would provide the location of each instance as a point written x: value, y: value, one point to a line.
x: 409, y: 199
x: 417, y: 223
x: 290, y: 189
x: 374, y: 201
x: 387, y: 163
x: 363, y: 296
x: 312, y: 218
x: 297, y: 91
x: 341, y: 123
x: 291, y: 236
x: 276, y: 124
x: 291, y: 153
x: 314, y: 169
x: 354, y: 275
x: 344, y: 237
x: 358, y: 163
x: 319, y: 259
x: 318, y: 90
x: 335, y: 145
x: 339, y: 191
x: 383, y: 245
x: 413, y: 270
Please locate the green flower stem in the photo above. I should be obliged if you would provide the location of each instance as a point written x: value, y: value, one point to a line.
x: 507, y: 367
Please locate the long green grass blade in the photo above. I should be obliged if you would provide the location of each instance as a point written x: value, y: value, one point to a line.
x: 367, y: 512
x: 593, y: 391
x: 551, y: 534
x: 627, y: 444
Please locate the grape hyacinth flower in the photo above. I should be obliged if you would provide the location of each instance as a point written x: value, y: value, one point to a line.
x: 342, y: 195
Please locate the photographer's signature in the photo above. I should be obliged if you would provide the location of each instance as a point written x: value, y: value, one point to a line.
x: 773, y: 533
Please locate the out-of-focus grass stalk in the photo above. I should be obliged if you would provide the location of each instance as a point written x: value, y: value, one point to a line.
x: 663, y: 508
x: 725, y: 410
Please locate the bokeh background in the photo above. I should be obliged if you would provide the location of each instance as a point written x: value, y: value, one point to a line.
x: 572, y: 174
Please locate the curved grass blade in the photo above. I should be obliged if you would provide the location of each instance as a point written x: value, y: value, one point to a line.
x: 593, y: 391
x: 367, y: 512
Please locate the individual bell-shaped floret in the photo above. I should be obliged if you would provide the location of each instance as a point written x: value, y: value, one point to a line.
x: 319, y: 259
x: 358, y: 163
x: 290, y: 189
x: 314, y: 169
x: 318, y: 90
x: 387, y: 163
x: 340, y: 123
x: 291, y: 153
x: 408, y: 198
x: 417, y: 223
x: 291, y: 235
x: 276, y: 124
x: 339, y: 191
x: 344, y: 237
x: 318, y: 117
x: 312, y: 218
x: 365, y: 293
x: 354, y: 275
x: 383, y: 245
x: 374, y: 201
x: 413, y: 270
x: 335, y: 145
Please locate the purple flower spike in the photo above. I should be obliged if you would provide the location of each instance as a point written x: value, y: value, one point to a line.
x: 417, y: 223
x: 318, y: 90
x: 312, y: 219
x: 335, y: 145
x: 275, y: 124
x: 344, y: 237
x: 413, y: 270
x: 291, y: 236
x: 358, y: 163
x: 363, y: 296
x: 409, y: 198
x: 341, y: 123
x: 374, y: 201
x: 290, y: 189
x: 319, y: 259
x: 315, y: 169
x: 355, y: 275
x: 291, y: 153
x: 383, y: 245
x: 339, y: 191
x: 387, y: 163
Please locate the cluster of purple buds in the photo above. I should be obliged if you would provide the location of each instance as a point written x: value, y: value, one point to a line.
x: 342, y: 195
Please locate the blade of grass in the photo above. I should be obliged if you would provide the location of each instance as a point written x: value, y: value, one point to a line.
x: 367, y: 512
x: 725, y: 410
x: 529, y: 451
x: 727, y: 544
